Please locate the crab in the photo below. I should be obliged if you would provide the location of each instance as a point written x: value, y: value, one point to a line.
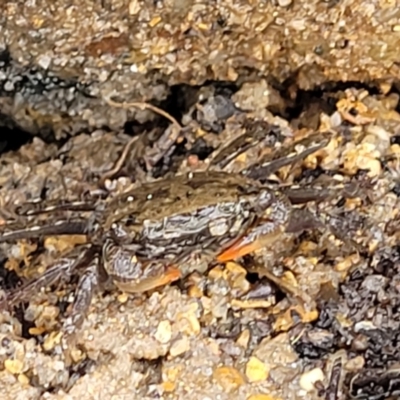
x: 163, y: 231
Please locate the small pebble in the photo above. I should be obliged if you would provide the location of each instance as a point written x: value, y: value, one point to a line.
x: 169, y: 386
x: 123, y: 298
x: 244, y: 338
x: 187, y: 322
x: 284, y: 3
x: 134, y: 7
x: 164, y: 332
x: 14, y: 366
x: 53, y: 339
x: 355, y: 364
x: 256, y: 370
x: 179, y: 347
x: 23, y: 379
x: 229, y: 378
x: 309, y: 378
x: 193, y: 160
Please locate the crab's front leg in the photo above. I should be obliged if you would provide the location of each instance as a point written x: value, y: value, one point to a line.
x: 132, y: 274
x: 305, y: 219
x: 270, y: 228
x: 302, y: 195
x: 313, y: 218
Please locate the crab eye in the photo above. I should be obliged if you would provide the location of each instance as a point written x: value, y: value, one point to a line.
x: 118, y: 231
x: 266, y: 199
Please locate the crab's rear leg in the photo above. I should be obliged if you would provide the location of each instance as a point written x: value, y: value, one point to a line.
x: 21, y: 226
x: 88, y: 261
x: 54, y: 274
x: 60, y: 271
x: 37, y: 208
x: 14, y: 232
x: 87, y: 285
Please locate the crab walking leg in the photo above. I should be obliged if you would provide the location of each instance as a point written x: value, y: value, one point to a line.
x: 34, y: 208
x: 267, y: 167
x: 61, y: 271
x: 61, y: 228
x: 87, y: 285
x: 303, y: 219
x: 285, y: 286
x: 302, y: 195
x: 132, y: 275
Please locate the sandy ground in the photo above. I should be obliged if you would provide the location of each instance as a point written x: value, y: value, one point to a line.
x: 281, y: 72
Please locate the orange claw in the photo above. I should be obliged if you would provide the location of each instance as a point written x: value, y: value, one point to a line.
x: 239, y: 249
x: 171, y: 274
x: 249, y: 243
x: 143, y: 285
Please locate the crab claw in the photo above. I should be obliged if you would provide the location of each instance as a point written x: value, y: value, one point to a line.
x: 142, y: 285
x: 237, y: 250
x: 253, y: 241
